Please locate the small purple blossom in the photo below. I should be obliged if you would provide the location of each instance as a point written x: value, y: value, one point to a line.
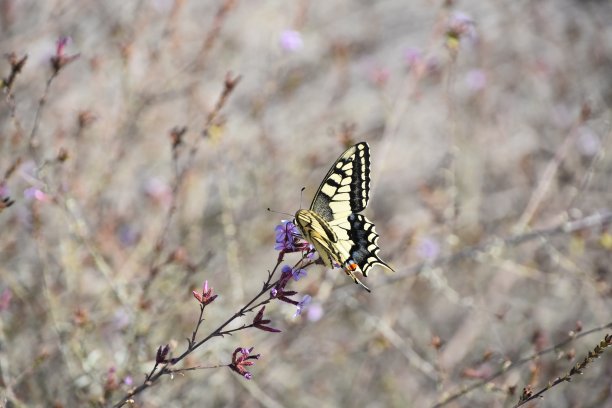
x: 588, y: 142
x: 128, y: 380
x: 301, y: 306
x: 128, y: 235
x: 242, y: 358
x: 413, y: 57
x: 121, y: 319
x: 428, y: 248
x: 476, y: 80
x: 33, y: 193
x: 159, y: 191
x: 461, y: 27
x: 278, y: 291
x: 314, y: 312
x: 298, y: 274
x: 291, y: 40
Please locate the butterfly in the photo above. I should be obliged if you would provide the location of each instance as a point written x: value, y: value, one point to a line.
x: 340, y: 235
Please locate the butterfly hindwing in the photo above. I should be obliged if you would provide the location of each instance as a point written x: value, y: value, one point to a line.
x: 364, y: 239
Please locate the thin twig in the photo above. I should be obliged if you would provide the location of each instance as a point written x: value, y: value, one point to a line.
x: 549, y: 173
x: 39, y: 109
x: 576, y: 369
x: 518, y: 363
x: 154, y: 376
x: 588, y: 222
x: 229, y: 85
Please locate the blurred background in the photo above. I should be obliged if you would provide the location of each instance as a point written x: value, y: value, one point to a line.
x: 137, y: 169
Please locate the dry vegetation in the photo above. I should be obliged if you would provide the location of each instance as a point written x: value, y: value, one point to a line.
x: 138, y: 160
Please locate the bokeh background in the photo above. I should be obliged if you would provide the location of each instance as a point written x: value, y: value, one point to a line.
x: 486, y: 120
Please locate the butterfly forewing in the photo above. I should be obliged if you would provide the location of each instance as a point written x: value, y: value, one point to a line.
x: 346, y: 187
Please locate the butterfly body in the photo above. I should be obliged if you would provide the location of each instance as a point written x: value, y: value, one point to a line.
x: 333, y: 225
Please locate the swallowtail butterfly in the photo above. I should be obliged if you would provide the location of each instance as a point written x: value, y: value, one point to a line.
x: 333, y: 225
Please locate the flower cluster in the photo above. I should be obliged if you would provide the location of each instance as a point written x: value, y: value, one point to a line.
x: 206, y: 297
x: 241, y: 359
x: 279, y: 292
x: 460, y: 26
x: 289, y: 239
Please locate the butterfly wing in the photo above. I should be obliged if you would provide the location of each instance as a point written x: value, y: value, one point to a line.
x: 346, y: 187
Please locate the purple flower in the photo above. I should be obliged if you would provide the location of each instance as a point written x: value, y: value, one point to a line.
x: 279, y: 292
x: 298, y: 274
x: 301, y: 306
x: 315, y: 312
x: 428, y: 248
x: 460, y: 26
x: 476, y: 80
x: 121, y: 319
x: 128, y: 380
x: 413, y: 56
x: 588, y: 142
x: 241, y: 359
x: 159, y: 191
x: 33, y: 193
x: 128, y: 235
x: 288, y: 237
x: 291, y: 41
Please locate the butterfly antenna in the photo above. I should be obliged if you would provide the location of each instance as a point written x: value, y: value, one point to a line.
x: 279, y: 212
x: 301, y: 196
